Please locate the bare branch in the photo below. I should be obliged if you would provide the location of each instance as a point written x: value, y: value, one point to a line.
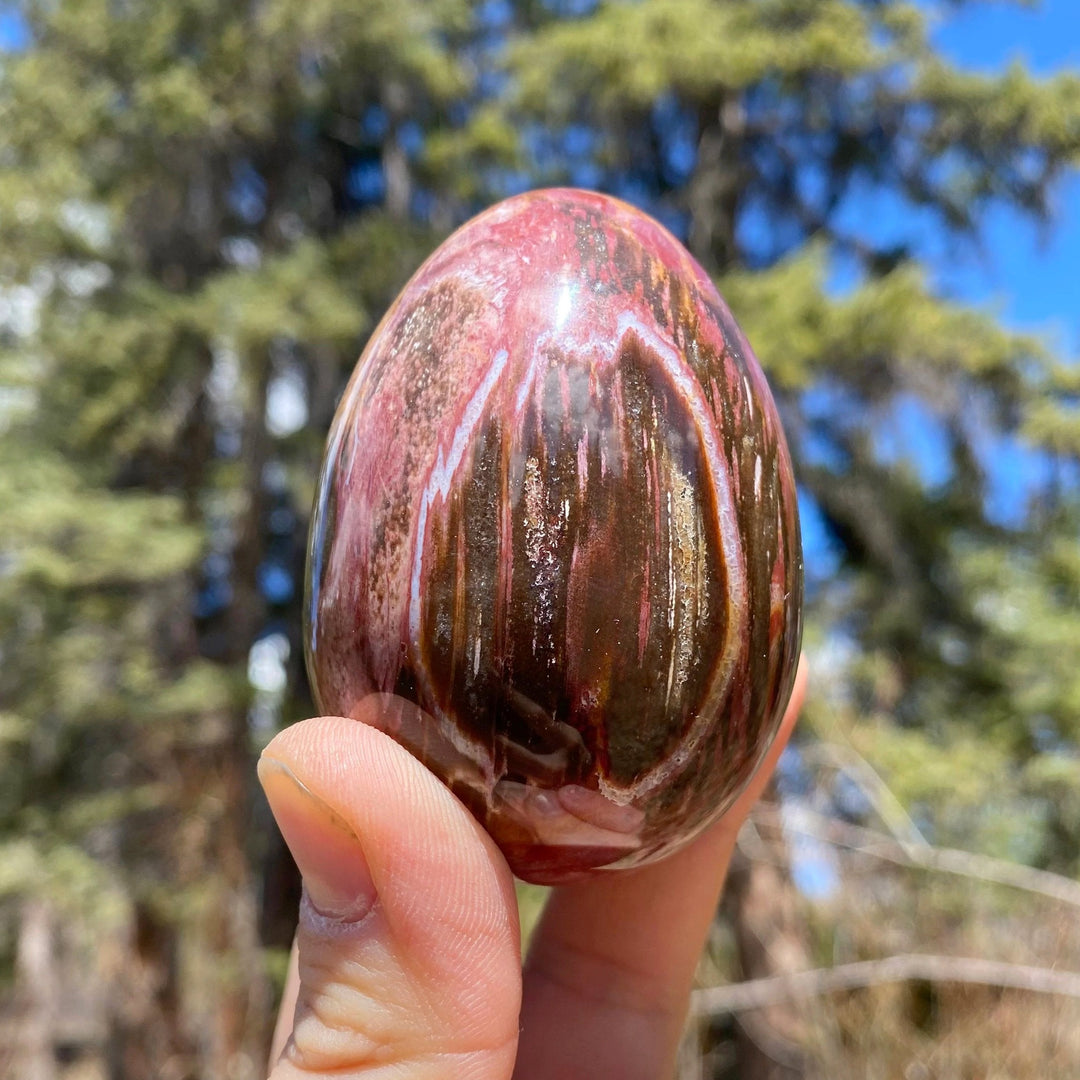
x: 947, y: 860
x: 760, y: 993
x: 849, y: 761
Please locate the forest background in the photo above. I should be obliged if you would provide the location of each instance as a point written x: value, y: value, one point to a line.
x: 205, y: 207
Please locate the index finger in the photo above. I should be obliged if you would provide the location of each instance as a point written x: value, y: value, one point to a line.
x: 609, y: 973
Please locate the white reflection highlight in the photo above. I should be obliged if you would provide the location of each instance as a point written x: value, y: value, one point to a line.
x: 562, y: 307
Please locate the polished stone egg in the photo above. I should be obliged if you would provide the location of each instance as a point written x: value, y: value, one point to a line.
x: 555, y: 546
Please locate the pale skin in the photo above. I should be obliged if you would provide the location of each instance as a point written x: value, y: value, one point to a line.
x: 407, y: 961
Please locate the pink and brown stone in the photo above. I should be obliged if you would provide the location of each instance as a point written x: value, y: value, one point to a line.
x: 555, y: 549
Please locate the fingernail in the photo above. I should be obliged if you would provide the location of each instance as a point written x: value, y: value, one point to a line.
x: 326, y: 850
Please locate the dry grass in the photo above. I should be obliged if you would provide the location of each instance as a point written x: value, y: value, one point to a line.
x: 918, y: 1029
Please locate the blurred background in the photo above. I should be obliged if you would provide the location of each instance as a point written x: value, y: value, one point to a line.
x: 206, y: 205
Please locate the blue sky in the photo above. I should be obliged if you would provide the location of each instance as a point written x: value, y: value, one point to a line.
x: 1033, y: 275
x: 11, y: 30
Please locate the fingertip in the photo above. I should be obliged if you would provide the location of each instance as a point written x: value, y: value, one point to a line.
x: 427, y: 960
x: 417, y: 836
x: 801, y: 685
x: 794, y: 706
x: 329, y: 855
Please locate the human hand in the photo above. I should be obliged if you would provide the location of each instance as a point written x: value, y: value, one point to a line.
x: 407, y: 963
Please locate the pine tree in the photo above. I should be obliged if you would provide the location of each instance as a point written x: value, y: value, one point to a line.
x: 202, y: 207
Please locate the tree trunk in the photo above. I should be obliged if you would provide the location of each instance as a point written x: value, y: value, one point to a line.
x: 713, y: 192
x: 762, y: 905
x: 145, y: 1032
x: 397, y: 173
x: 37, y: 987
x: 242, y: 1022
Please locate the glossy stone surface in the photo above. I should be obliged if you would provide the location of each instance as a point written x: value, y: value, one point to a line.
x: 555, y: 549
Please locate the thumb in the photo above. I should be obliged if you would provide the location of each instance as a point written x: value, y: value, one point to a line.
x: 409, y: 961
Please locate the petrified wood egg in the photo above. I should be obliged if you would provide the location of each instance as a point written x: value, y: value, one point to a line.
x: 555, y: 548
